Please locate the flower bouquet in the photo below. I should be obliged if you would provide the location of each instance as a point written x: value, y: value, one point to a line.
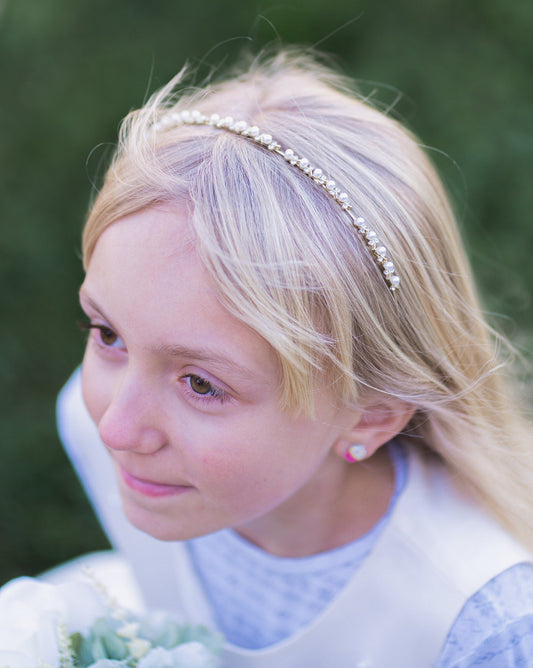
x: 77, y: 625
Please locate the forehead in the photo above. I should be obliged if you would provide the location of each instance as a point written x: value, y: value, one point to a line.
x: 150, y: 236
x: 147, y: 278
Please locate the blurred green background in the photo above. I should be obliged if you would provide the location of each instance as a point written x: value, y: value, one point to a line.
x: 459, y: 73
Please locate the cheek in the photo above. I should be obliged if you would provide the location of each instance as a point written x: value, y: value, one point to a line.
x: 241, y: 490
x: 224, y: 463
x: 250, y: 471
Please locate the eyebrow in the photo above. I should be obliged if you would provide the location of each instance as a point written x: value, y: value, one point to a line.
x: 96, y: 307
x: 213, y: 358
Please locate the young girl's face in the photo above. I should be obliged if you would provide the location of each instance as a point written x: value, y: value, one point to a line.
x: 186, y: 397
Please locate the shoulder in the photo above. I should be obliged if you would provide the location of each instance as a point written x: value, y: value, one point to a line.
x: 445, y: 525
x: 495, y: 627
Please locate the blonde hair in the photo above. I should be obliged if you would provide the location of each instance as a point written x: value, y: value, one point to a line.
x: 286, y: 261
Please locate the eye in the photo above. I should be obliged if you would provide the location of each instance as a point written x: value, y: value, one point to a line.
x: 203, y: 389
x: 200, y: 385
x: 106, y: 336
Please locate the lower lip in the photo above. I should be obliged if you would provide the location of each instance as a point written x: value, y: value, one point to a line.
x: 151, y: 488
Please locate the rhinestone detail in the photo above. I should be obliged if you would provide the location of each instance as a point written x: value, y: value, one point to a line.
x: 377, y: 250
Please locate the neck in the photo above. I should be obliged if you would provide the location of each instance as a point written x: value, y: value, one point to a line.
x: 342, y: 503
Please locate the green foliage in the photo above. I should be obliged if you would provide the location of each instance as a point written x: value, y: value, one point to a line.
x: 459, y: 73
x: 101, y: 643
x: 108, y: 639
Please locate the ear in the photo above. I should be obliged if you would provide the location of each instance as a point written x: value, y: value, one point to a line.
x: 373, y: 426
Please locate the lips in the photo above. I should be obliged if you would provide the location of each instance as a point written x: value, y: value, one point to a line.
x: 151, y: 488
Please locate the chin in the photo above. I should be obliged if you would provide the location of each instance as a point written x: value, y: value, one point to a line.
x: 160, y: 527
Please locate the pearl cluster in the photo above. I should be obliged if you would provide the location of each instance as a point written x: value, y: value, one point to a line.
x: 378, y: 251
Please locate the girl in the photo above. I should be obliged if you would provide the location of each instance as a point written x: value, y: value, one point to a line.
x: 298, y: 398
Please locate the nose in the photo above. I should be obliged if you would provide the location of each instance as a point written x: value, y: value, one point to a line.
x: 133, y: 420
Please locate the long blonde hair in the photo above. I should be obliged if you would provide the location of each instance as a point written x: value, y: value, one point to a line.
x: 286, y: 261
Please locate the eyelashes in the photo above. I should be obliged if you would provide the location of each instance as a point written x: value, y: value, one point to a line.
x: 204, y: 389
x: 108, y: 337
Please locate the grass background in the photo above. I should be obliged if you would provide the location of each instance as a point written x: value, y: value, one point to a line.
x: 460, y: 74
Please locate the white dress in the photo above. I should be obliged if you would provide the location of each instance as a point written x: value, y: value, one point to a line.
x: 436, y: 551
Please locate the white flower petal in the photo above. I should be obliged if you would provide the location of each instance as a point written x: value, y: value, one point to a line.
x: 193, y: 655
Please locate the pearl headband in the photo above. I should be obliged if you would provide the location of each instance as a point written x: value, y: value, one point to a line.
x: 377, y: 250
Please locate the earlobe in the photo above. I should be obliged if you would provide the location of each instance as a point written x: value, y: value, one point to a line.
x: 372, y: 428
